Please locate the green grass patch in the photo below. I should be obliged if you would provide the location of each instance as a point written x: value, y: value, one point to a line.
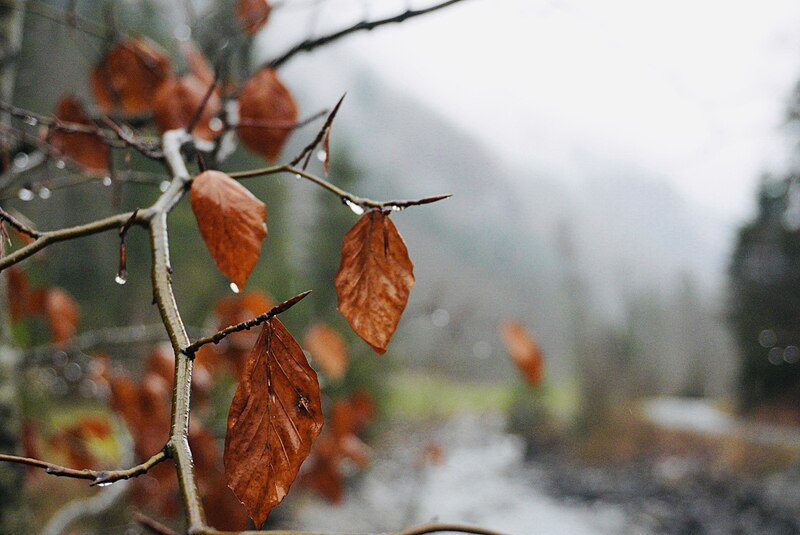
x: 416, y: 395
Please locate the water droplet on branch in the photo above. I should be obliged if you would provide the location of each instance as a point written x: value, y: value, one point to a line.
x: 121, y: 278
x: 61, y: 164
x: 234, y: 288
x: 321, y: 155
x: 44, y: 192
x: 355, y: 208
x: 164, y: 186
x: 33, y: 121
x: 25, y: 194
x: 106, y: 180
x: 21, y: 160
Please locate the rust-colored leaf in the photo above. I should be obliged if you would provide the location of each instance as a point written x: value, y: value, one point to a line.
x: 128, y: 76
x: 88, y: 150
x: 19, y: 292
x: 374, y: 279
x: 524, y: 351
x: 59, y: 309
x: 252, y: 14
x: 327, y: 349
x: 197, y: 64
x: 231, y: 221
x: 275, y: 416
x: 267, y: 114
x: 177, y: 100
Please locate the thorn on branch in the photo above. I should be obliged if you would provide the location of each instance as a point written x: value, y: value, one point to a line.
x: 245, y: 325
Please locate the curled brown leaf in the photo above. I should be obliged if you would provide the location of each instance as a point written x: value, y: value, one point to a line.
x: 274, y: 418
x: 88, y: 150
x: 374, y: 279
x: 328, y: 349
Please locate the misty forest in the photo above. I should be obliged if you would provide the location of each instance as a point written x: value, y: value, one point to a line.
x: 402, y: 267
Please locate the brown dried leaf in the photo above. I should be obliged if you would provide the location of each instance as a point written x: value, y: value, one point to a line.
x: 177, y: 100
x: 328, y: 350
x: 252, y: 14
x: 524, y: 351
x: 198, y: 64
x: 128, y: 76
x: 275, y: 416
x: 59, y: 309
x: 19, y: 292
x: 88, y: 150
x: 374, y: 279
x: 267, y: 114
x: 231, y: 221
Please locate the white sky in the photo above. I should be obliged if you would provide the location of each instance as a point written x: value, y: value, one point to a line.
x: 691, y: 90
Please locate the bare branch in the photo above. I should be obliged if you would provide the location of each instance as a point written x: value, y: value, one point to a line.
x: 420, y: 530
x: 245, y: 325
x: 19, y: 225
x: 46, y: 238
x: 98, y: 477
x: 320, y: 135
x: 310, y: 44
x: 346, y: 197
x: 151, y: 525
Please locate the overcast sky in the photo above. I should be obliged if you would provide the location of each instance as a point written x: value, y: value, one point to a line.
x: 690, y: 90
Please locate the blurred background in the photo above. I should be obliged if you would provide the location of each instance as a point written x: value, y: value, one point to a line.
x: 625, y: 188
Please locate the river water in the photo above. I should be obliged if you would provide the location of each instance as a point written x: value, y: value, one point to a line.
x: 480, y: 479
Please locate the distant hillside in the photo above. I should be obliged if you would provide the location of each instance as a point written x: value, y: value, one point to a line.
x: 513, y: 242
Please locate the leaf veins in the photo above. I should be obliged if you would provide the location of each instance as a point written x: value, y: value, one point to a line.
x: 275, y: 416
x: 374, y: 279
x: 231, y: 221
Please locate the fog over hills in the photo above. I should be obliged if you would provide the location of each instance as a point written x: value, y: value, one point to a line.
x: 517, y: 241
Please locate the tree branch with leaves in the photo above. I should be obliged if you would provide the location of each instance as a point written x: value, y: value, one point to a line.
x: 276, y: 413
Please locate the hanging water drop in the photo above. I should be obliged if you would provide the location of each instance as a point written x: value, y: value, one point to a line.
x: 121, y: 278
x: 44, y: 192
x: 321, y: 155
x: 104, y: 484
x: 61, y: 164
x: 25, y: 194
x: 21, y: 160
x: 164, y: 186
x: 216, y: 124
x: 297, y: 176
x: 234, y: 288
x: 106, y: 180
x: 33, y: 121
x: 355, y: 208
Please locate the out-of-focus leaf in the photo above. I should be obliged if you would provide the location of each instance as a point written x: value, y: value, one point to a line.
x: 524, y: 351
x: 275, y: 416
x: 252, y: 14
x: 177, y: 100
x: 374, y: 279
x: 128, y: 76
x: 267, y: 114
x: 327, y: 349
x: 59, y: 309
x: 88, y: 150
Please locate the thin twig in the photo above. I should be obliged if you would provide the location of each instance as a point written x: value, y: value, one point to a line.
x: 320, y: 135
x: 46, y: 238
x: 245, y: 325
x: 345, y: 196
x: 152, y: 525
x: 199, y: 111
x: 419, y: 530
x: 310, y: 44
x: 19, y: 225
x: 98, y: 477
